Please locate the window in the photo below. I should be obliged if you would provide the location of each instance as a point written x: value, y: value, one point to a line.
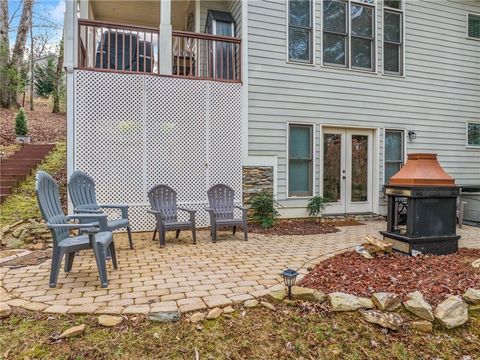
x: 349, y: 34
x: 473, y: 134
x: 393, y: 37
x: 474, y: 26
x: 393, y: 152
x: 300, y: 31
x: 300, y: 160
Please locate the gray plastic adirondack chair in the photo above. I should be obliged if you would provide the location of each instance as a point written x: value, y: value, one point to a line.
x: 163, y: 202
x: 221, y: 199
x: 82, y: 193
x: 63, y: 244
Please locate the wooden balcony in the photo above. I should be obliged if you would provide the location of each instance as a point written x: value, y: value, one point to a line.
x: 123, y: 48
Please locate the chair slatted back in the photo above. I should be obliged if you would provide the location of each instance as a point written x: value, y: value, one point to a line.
x: 49, y: 203
x: 164, y: 199
x: 81, y: 188
x: 221, y: 198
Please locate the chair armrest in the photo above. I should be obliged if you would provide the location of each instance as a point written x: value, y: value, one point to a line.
x: 101, y: 218
x: 122, y: 207
x: 240, y: 207
x: 89, y: 228
x: 209, y: 209
x: 187, y: 210
x: 86, y: 211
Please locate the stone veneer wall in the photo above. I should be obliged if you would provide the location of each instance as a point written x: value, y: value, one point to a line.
x: 256, y: 179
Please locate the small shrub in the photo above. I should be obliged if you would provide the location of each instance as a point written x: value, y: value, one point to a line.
x: 264, y: 209
x: 21, y: 127
x: 316, y: 206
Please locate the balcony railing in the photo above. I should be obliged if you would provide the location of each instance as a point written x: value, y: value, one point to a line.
x: 134, y: 49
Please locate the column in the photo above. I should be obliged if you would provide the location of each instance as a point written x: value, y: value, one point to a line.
x: 165, y: 38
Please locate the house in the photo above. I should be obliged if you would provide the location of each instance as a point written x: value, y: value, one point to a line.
x: 301, y: 97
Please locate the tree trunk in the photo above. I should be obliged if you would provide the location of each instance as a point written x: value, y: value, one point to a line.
x: 4, y: 55
x: 19, y: 48
x: 58, y: 78
x: 32, y: 64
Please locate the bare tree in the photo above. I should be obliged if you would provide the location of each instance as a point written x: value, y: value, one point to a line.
x: 58, y: 78
x: 4, y: 54
x: 18, y: 52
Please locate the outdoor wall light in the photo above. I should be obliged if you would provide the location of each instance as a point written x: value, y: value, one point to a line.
x: 412, y: 135
x: 289, y: 278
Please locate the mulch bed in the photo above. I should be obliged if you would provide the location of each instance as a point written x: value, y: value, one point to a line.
x: 434, y: 276
x: 31, y: 259
x: 302, y: 227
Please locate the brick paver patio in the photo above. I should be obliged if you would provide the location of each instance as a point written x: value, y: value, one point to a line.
x: 181, y: 276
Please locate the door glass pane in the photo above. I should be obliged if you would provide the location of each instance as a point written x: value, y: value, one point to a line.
x: 334, y: 16
x: 359, y: 168
x: 300, y: 12
x: 392, y: 27
x: 299, y: 44
x: 361, y: 53
x: 362, y: 24
x: 334, y: 49
x: 332, y: 162
x: 300, y: 142
x: 299, y: 177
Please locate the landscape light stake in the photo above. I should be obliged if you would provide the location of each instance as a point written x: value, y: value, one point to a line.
x: 289, y: 278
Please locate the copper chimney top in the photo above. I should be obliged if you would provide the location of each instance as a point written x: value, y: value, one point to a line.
x: 422, y: 170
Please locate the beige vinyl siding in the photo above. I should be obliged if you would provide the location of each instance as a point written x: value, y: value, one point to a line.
x: 438, y: 95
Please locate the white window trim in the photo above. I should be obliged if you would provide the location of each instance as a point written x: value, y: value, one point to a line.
x: 475, y: 147
x: 348, y: 66
x: 404, y: 40
x: 404, y: 145
x: 287, y: 32
x: 466, y: 27
x: 287, y: 165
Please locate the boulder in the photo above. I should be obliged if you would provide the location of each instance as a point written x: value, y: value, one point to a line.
x: 422, y: 326
x: 250, y: 303
x: 164, y: 316
x: 73, y: 331
x: 109, y: 320
x: 388, y: 320
x: 307, y: 294
x: 268, y: 306
x: 476, y: 263
x: 214, y: 313
x: 417, y: 305
x: 366, y: 303
x: 452, y: 312
x: 197, y: 317
x: 5, y: 310
x: 386, y: 301
x: 344, y: 302
x: 474, y: 308
x: 472, y: 296
x: 278, y: 295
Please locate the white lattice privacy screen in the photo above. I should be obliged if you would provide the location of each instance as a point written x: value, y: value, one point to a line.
x: 133, y: 132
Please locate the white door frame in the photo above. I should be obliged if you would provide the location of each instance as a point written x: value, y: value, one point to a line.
x: 374, y: 170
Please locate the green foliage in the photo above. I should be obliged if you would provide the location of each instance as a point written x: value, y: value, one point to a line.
x: 264, y: 209
x: 45, y: 78
x: 21, y: 127
x: 316, y: 206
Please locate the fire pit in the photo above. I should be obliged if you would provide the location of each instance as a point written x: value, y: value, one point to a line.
x: 422, y: 206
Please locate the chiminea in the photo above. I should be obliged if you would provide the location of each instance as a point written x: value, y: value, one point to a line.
x: 428, y: 196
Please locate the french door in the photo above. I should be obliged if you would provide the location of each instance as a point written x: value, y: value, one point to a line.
x: 347, y: 170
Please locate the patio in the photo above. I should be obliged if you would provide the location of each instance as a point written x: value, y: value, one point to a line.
x: 182, y: 276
